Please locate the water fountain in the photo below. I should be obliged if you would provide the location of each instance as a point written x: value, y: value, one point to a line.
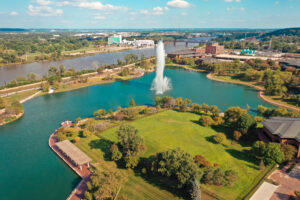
x: 160, y: 83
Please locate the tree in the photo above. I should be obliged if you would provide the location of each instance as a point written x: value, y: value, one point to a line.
x: 45, y: 87
x: 52, y: 71
x: 257, y: 148
x: 272, y: 153
x: 132, y: 144
x: 99, y: 113
x: 195, y: 190
x: 132, y: 103
x: 214, y: 110
x: 232, y: 115
x: 275, y: 86
x: 231, y: 176
x: 62, y: 69
x: 104, y: 185
x: 125, y: 71
x: 245, y: 122
x: 115, y: 153
x: 219, y: 138
x: 206, y: 120
x: 86, y: 133
x: 176, y: 164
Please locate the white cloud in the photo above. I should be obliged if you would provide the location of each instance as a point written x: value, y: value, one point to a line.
x: 178, y: 4
x: 234, y: 9
x: 184, y: 14
x: 97, y: 5
x: 63, y: 3
x: 43, y: 2
x: 13, y: 13
x: 43, y: 11
x: 155, y: 11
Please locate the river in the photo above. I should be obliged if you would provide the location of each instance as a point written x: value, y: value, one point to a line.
x: 11, y: 72
x: 30, y: 170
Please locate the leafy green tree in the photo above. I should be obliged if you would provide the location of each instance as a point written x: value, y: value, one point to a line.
x: 275, y: 86
x: 245, y: 122
x: 237, y: 135
x: 177, y: 164
x: 214, y: 110
x: 52, y: 71
x: 233, y: 114
x: 272, y: 153
x: 132, y: 144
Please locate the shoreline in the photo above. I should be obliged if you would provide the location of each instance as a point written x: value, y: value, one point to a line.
x: 78, y: 192
x: 261, y: 94
x: 66, y: 57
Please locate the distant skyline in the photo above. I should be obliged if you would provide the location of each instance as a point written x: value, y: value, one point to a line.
x: 141, y: 14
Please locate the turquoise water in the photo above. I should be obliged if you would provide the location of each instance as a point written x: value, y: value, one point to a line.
x: 30, y: 170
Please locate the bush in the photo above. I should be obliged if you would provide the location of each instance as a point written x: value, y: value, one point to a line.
x: 115, y: 153
x: 245, y: 122
x: 86, y: 133
x: 237, y: 135
x: 206, y: 121
x: 201, y: 161
x: 218, y: 121
x: 289, y: 152
x: 272, y: 153
x: 219, y: 138
x: 45, y: 87
x: 76, y: 139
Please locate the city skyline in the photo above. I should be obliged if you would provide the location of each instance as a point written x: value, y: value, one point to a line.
x: 118, y: 14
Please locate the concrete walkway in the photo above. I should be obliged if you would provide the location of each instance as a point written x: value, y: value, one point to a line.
x: 264, y: 192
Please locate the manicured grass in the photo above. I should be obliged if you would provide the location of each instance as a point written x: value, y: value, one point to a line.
x: 19, y: 96
x: 171, y: 129
x: 136, y: 187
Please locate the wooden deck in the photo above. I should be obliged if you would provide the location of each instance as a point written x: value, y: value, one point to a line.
x: 85, y: 173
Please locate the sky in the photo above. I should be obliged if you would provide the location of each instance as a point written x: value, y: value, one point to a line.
x: 126, y: 14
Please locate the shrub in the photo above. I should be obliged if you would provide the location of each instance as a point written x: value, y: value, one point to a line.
x: 219, y: 177
x: 119, y: 116
x: 257, y: 148
x: 237, y: 135
x: 86, y: 133
x: 76, y: 139
x: 201, y: 161
x: 206, y: 121
x: 219, y: 138
x: 218, y: 121
x: 45, y: 87
x: 245, y: 122
x: 272, y: 153
x: 231, y: 176
x: 258, y: 119
x: 289, y: 152
x: 115, y: 153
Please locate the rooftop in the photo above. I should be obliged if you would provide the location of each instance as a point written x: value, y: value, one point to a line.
x: 73, y: 152
x: 293, y: 62
x: 288, y: 128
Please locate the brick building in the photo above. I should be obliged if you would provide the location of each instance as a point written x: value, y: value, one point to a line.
x: 214, y: 48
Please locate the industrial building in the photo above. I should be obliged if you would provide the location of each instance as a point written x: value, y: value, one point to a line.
x: 115, y: 39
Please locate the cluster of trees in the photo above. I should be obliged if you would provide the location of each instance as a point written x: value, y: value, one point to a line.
x: 276, y: 112
x: 13, y: 47
x: 273, y: 153
x: 131, y: 146
x: 105, y: 185
x: 11, y: 110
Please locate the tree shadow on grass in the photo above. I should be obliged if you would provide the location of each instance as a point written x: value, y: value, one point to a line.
x: 210, y: 139
x: 245, y: 155
x: 163, y: 183
x: 103, y: 145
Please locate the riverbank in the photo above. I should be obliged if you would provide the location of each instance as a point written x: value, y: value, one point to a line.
x: 260, y: 89
x: 186, y: 67
x: 72, y: 54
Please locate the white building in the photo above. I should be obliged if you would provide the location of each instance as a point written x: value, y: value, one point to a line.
x: 143, y: 43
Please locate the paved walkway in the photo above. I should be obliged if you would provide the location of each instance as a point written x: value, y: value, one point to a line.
x: 264, y: 192
x: 85, y: 173
x: 288, y: 182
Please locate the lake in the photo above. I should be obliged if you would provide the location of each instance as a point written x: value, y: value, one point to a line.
x: 30, y: 170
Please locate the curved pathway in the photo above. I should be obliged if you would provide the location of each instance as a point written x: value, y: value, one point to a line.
x: 260, y: 93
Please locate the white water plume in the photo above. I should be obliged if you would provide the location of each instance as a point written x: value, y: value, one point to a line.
x: 160, y: 83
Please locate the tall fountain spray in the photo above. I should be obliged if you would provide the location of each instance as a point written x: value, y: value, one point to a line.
x: 160, y: 83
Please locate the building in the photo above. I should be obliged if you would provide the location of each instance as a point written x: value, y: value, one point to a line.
x: 248, y: 51
x: 76, y: 156
x: 115, y: 39
x: 283, y: 130
x: 189, y: 53
x: 295, y: 63
x: 214, y: 48
x: 144, y: 43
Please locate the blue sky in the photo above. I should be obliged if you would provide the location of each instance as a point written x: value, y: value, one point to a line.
x: 149, y: 13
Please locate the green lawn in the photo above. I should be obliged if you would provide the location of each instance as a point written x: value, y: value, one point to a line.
x: 171, y: 129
